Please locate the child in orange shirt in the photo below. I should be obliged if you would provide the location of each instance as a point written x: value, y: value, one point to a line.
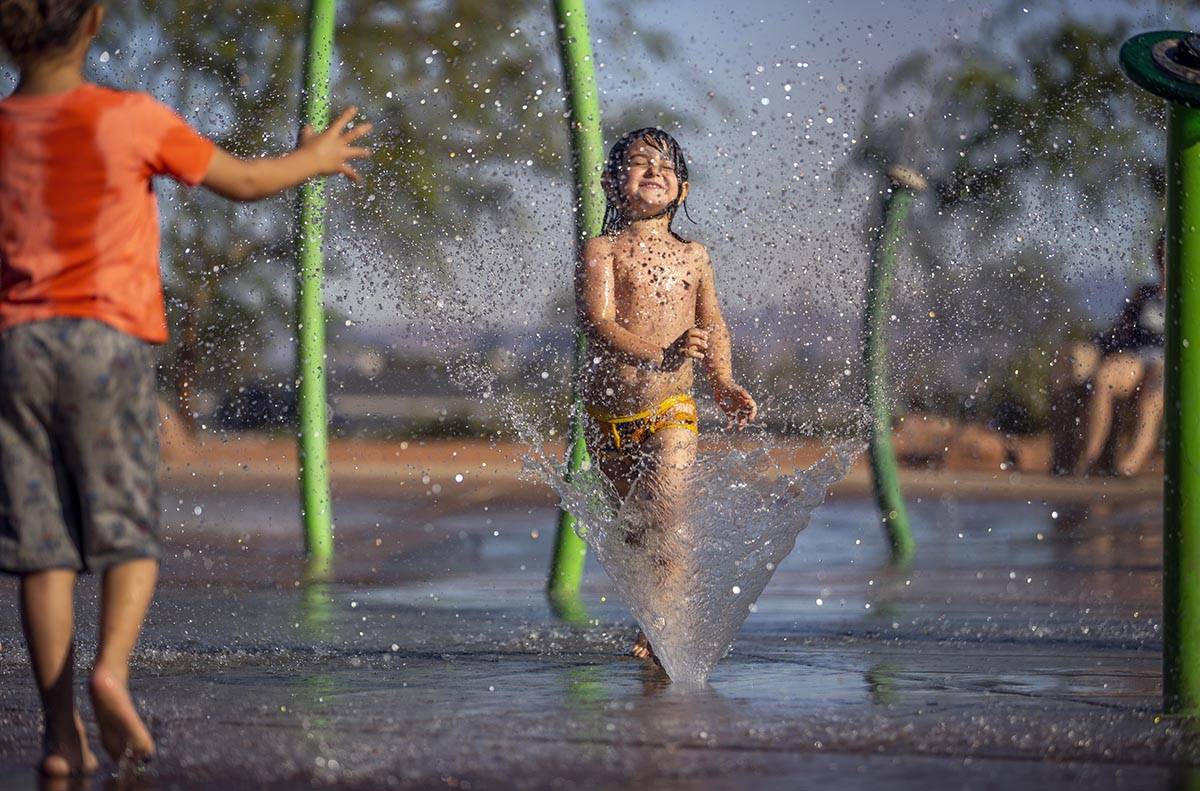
x: 81, y: 307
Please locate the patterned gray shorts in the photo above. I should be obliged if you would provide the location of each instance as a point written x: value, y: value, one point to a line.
x: 78, y: 447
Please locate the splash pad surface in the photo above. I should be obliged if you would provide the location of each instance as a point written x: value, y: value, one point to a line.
x: 1001, y: 655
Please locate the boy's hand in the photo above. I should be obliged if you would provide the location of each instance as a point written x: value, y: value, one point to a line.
x: 692, y: 344
x: 736, y: 402
x: 334, y: 148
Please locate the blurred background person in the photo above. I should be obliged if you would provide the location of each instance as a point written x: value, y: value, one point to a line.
x: 1120, y: 366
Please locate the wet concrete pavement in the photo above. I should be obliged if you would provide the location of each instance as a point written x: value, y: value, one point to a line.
x: 1023, y: 648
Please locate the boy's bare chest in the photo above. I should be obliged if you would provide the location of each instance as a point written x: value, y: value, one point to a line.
x: 645, y: 278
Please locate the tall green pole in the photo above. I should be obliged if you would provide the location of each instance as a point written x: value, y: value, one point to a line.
x: 310, y: 311
x: 1181, y: 483
x: 904, y: 185
x: 579, y: 77
x: 1167, y: 63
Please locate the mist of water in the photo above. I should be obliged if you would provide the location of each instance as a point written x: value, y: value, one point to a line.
x: 691, y: 585
x: 690, y: 553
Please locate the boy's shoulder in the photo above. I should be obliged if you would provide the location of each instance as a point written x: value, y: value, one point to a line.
x: 88, y: 96
x: 697, y: 251
x: 118, y: 96
x: 598, y: 245
x: 87, y: 91
x: 107, y: 94
x: 136, y: 101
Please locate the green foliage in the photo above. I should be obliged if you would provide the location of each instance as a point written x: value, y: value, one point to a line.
x: 466, y: 99
x: 1002, y: 322
x: 1038, y: 101
x: 1035, y: 108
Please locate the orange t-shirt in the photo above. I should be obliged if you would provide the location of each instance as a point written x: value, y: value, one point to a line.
x: 78, y: 216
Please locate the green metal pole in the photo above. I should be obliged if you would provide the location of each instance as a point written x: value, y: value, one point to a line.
x: 1181, y: 483
x: 1167, y: 63
x: 904, y: 184
x: 579, y: 77
x: 310, y: 311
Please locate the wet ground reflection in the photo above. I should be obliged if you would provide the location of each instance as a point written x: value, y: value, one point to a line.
x: 1019, y: 648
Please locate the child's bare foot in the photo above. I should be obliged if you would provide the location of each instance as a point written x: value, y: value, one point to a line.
x: 69, y: 755
x: 642, y: 649
x: 122, y: 731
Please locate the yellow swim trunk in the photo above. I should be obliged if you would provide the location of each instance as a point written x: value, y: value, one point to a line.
x: 625, y: 432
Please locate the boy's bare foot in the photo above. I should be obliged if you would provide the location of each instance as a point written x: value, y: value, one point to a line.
x: 122, y: 731
x: 69, y: 756
x: 642, y: 649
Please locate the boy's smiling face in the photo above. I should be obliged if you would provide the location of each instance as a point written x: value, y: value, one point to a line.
x: 649, y: 183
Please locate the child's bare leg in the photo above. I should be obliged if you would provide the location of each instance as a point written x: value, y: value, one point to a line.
x: 127, y: 590
x: 622, y: 475
x: 1071, y: 370
x: 1117, y: 378
x: 621, y: 472
x: 48, y: 619
x: 1074, y: 366
x: 667, y: 460
x: 1149, y: 417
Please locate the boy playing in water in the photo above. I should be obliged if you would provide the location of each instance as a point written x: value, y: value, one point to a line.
x: 648, y: 302
x: 81, y: 308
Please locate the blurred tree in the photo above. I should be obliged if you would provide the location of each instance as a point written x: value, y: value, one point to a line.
x: 466, y: 99
x: 1033, y: 120
x: 1033, y: 103
x: 986, y: 339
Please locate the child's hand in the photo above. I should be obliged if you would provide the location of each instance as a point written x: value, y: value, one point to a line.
x: 736, y: 402
x: 333, y: 148
x: 692, y: 344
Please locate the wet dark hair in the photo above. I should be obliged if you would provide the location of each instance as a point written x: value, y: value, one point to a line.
x: 614, y: 218
x: 31, y: 27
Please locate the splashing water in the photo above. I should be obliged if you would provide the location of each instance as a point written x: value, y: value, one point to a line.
x: 691, y: 586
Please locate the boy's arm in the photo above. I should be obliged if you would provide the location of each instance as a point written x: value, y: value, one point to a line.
x: 322, y: 154
x: 594, y: 298
x: 718, y: 363
x: 734, y: 400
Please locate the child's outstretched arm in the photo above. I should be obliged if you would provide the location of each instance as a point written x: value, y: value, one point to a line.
x: 324, y: 154
x: 597, y: 309
x: 735, y: 401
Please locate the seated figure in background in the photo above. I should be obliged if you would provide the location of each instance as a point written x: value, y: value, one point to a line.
x: 1121, y: 364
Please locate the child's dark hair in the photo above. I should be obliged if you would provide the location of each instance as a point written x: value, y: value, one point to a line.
x: 30, y: 27
x: 614, y: 218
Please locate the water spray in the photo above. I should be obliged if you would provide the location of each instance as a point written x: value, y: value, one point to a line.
x: 579, y: 77
x: 1167, y: 63
x: 313, y: 438
x: 905, y: 184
